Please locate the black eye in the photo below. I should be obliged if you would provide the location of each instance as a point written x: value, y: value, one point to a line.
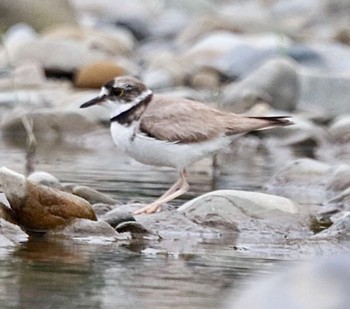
x: 116, y: 91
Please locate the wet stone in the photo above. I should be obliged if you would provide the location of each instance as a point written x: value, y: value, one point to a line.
x: 116, y: 217
x: 45, y: 179
x: 134, y: 228
x: 40, y: 208
x: 83, y: 228
x: 92, y: 196
x: 7, y: 214
x: 233, y: 209
x: 11, y: 234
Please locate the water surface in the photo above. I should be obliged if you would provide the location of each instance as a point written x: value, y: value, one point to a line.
x: 193, y: 272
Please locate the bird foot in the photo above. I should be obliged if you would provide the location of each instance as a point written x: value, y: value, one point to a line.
x: 149, y: 209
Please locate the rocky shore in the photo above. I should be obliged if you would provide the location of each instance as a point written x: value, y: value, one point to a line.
x: 258, y: 57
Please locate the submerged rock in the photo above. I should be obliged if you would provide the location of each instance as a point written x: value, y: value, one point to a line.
x: 40, y: 208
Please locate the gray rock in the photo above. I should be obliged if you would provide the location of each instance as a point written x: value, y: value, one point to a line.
x: 40, y: 208
x: 27, y: 74
x: 101, y: 209
x: 320, y: 89
x: 11, y: 234
x: 302, y: 180
x: 339, y: 178
x: 340, y: 227
x: 337, y: 206
x: 83, y: 228
x: 47, y: 125
x: 92, y: 196
x: 339, y: 129
x: 65, y: 55
x: 45, y: 179
x: 170, y: 224
x: 136, y: 229
x: 276, y: 82
x: 115, y: 217
x: 41, y: 15
x: 320, y: 283
x: 232, y: 209
x: 309, y: 181
x: 7, y: 214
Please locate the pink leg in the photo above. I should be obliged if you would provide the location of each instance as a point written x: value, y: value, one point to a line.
x: 180, y: 187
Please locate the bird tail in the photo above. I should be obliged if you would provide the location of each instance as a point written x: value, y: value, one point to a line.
x: 276, y: 120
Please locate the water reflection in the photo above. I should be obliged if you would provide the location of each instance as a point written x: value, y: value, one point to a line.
x: 44, y: 274
x: 182, y: 272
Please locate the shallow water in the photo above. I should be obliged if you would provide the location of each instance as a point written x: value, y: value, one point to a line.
x: 192, y: 272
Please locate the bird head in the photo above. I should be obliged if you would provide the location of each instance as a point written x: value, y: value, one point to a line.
x: 120, y: 94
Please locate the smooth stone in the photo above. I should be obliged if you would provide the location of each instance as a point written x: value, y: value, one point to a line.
x: 205, y: 78
x: 83, y: 228
x: 18, y: 34
x: 49, y: 125
x: 302, y: 180
x: 339, y: 129
x: 65, y: 55
x: 7, y: 214
x: 95, y: 75
x: 116, y: 217
x: 111, y: 41
x: 101, y: 209
x: 168, y: 223
x: 40, y: 208
x: 230, y: 209
x: 310, y: 181
x: 40, y: 15
x: 92, y: 196
x: 330, y: 91
x: 26, y: 74
x: 159, y: 78
x: 11, y: 234
x: 45, y: 179
x: 336, y: 206
x: 318, y: 283
x: 165, y: 65
x: 339, y: 178
x: 209, y: 48
x: 276, y: 82
x: 139, y: 28
x: 132, y: 227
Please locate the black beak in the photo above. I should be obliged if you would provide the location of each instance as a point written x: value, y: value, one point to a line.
x: 94, y: 101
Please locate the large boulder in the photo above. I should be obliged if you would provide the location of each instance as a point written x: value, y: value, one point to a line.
x: 40, y: 208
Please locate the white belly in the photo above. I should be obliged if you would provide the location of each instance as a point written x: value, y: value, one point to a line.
x: 150, y: 151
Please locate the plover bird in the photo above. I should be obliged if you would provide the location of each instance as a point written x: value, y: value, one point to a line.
x: 165, y: 131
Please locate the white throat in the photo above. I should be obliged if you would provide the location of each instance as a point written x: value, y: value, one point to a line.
x: 118, y: 107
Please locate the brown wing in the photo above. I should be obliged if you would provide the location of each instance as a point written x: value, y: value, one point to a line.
x: 186, y: 121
